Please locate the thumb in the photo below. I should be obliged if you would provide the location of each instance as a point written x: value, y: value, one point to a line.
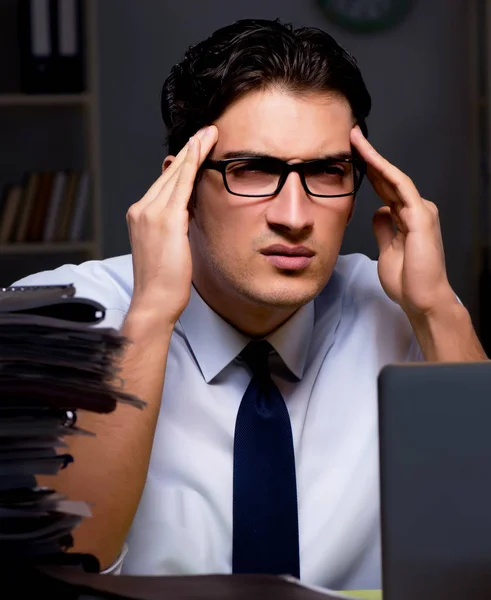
x: 383, y: 228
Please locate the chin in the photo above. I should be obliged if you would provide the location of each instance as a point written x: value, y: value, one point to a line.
x: 283, y: 294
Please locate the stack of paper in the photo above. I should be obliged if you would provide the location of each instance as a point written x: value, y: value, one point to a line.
x: 52, y: 363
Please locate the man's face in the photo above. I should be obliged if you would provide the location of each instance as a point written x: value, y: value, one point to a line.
x: 231, y: 236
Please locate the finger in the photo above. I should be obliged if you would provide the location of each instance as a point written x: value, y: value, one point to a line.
x: 384, y: 190
x: 400, y: 185
x: 383, y: 228
x: 184, y: 181
x: 203, y: 134
x: 197, y: 152
x: 166, y: 175
x: 369, y: 154
x: 161, y: 201
x: 169, y: 173
x: 207, y: 140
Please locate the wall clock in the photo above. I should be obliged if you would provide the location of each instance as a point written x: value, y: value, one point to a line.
x: 366, y: 16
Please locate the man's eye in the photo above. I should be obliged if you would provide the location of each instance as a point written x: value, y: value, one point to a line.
x: 331, y: 169
x: 242, y: 167
x: 247, y: 169
x: 250, y: 168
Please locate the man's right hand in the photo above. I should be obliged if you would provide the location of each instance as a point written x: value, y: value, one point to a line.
x: 158, y: 230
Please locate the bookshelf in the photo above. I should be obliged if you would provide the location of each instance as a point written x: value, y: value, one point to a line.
x: 55, y: 133
x: 47, y: 248
x: 45, y: 99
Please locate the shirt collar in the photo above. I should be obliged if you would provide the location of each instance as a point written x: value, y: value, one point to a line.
x: 215, y: 343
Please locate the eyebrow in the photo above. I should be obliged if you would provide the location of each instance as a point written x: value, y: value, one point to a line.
x: 252, y: 154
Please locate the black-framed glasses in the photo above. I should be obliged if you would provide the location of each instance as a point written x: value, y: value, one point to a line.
x: 258, y: 177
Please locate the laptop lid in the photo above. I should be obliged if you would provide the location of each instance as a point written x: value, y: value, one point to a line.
x: 435, y: 476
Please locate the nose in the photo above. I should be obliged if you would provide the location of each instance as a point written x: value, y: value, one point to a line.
x: 290, y: 211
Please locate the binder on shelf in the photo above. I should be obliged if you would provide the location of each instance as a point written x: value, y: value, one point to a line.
x: 51, y: 46
x: 69, y: 45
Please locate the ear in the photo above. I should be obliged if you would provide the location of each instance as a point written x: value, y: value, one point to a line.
x: 167, y: 162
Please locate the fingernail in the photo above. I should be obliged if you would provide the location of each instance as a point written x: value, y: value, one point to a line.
x: 205, y: 132
x: 191, y: 141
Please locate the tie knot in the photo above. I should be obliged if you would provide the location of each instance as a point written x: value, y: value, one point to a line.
x: 256, y: 357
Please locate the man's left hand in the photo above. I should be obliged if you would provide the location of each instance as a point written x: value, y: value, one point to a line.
x: 411, y: 264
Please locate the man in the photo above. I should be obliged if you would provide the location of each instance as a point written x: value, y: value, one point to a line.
x: 257, y: 458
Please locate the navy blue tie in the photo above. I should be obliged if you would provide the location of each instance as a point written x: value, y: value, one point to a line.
x: 265, y: 516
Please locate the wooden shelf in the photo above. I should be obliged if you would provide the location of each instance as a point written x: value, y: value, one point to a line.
x: 44, y: 99
x: 46, y: 115
x: 46, y: 248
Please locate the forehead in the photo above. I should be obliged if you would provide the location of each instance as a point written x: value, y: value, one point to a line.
x: 286, y: 125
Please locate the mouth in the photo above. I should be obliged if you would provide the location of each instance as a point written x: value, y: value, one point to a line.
x: 288, y: 258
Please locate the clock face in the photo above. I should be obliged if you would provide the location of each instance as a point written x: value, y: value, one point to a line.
x: 366, y: 15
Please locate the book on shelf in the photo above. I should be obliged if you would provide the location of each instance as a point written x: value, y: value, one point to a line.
x: 40, y: 206
x: 26, y: 208
x: 67, y: 208
x: 59, y: 187
x: 11, y: 205
x: 76, y: 222
x: 47, y: 207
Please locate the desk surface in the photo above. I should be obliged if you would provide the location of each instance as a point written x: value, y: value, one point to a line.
x: 198, y: 587
x: 365, y: 594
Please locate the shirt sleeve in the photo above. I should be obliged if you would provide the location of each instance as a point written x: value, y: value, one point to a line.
x: 414, y: 354
x: 107, y: 282
x: 116, y: 567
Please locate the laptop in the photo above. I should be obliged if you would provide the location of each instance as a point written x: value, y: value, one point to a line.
x: 435, y: 477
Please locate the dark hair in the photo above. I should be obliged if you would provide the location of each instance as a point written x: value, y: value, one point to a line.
x: 251, y: 55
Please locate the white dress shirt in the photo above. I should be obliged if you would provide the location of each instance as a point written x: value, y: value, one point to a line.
x: 329, y: 355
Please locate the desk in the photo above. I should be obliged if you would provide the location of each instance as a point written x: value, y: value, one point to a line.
x: 67, y: 582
